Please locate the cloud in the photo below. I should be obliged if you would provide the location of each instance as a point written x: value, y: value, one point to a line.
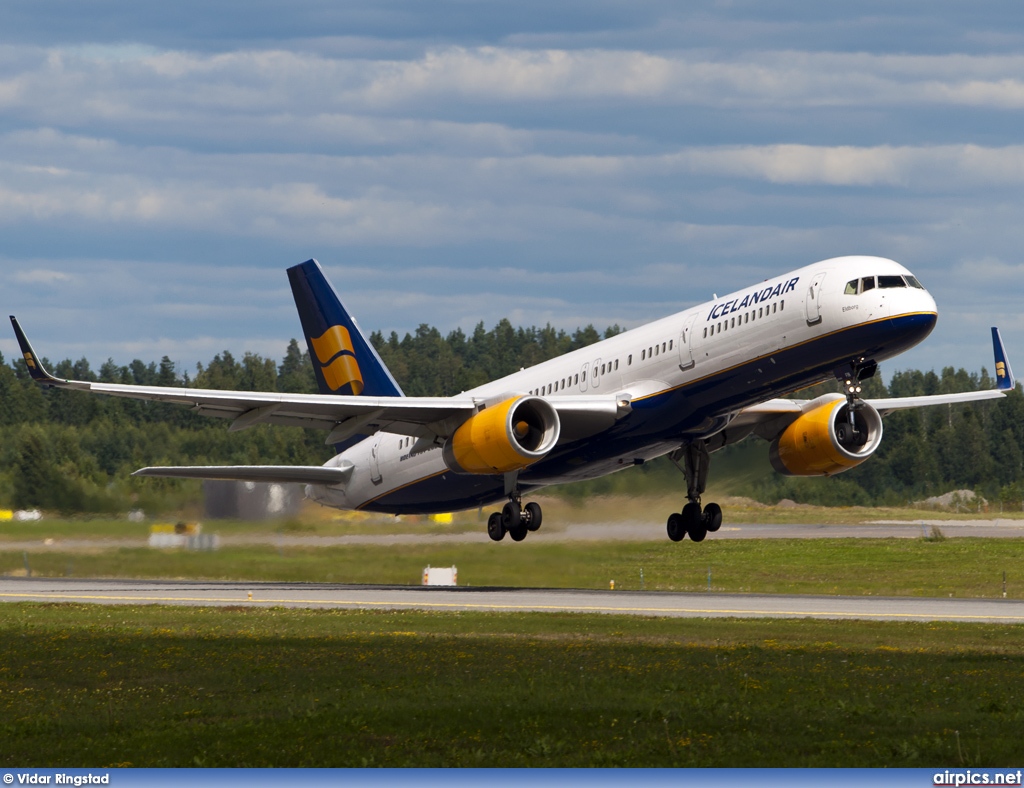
x: 575, y: 163
x: 40, y: 276
x: 139, y: 87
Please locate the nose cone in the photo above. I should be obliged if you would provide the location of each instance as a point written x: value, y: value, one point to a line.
x: 927, y: 303
x: 910, y: 301
x: 913, y: 314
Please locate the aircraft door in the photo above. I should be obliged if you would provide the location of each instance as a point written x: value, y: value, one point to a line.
x: 686, y: 344
x: 814, y: 300
x: 595, y: 374
x: 583, y: 377
x: 375, y: 476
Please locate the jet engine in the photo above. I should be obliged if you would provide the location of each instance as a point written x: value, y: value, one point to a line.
x: 504, y: 437
x: 825, y: 441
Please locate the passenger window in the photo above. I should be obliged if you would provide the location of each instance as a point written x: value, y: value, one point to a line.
x: 643, y: 355
x: 712, y: 329
x: 891, y: 281
x: 851, y: 287
x: 616, y: 365
x: 670, y: 344
x: 775, y: 308
x: 549, y: 388
x: 782, y: 305
x: 602, y: 369
x: 705, y: 332
x: 656, y: 350
x: 629, y: 359
x: 867, y: 283
x: 733, y: 323
x: 576, y: 379
x: 759, y: 311
x: 662, y: 347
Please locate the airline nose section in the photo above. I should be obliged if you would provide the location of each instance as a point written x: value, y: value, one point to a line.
x: 914, y: 314
x: 910, y: 300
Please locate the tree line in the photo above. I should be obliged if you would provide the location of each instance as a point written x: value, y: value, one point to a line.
x: 69, y: 451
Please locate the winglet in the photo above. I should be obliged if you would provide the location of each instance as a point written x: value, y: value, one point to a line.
x: 35, y: 366
x: 1004, y: 375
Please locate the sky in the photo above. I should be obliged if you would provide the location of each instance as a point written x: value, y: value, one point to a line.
x: 454, y: 162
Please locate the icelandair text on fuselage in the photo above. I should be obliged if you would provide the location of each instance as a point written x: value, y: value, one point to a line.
x: 728, y: 307
x: 61, y: 779
x: 977, y: 778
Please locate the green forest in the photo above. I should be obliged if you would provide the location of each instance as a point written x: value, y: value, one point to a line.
x: 71, y: 452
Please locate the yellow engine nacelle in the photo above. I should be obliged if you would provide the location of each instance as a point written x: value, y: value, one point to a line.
x: 504, y: 437
x: 823, y: 442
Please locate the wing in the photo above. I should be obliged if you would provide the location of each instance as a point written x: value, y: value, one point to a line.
x: 341, y: 416
x: 769, y: 419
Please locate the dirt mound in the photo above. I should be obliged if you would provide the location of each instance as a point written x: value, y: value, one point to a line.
x: 786, y: 503
x: 953, y: 498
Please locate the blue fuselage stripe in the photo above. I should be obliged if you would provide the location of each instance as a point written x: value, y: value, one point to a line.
x: 674, y: 415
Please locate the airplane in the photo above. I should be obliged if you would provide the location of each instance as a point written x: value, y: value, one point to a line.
x: 684, y: 386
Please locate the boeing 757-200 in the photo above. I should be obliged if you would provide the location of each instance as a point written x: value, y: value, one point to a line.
x: 683, y: 386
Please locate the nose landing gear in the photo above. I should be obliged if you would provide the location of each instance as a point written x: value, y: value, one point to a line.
x: 693, y: 521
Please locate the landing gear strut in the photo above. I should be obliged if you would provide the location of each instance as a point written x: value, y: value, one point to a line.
x: 694, y: 521
x: 514, y: 519
x: 850, y: 434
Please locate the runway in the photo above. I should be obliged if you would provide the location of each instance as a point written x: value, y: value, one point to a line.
x: 631, y: 531
x: 678, y: 605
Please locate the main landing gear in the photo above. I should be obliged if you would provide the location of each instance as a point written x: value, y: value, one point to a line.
x: 514, y: 519
x: 694, y: 521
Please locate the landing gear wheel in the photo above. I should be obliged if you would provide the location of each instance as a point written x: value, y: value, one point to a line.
x: 533, y: 516
x: 713, y: 517
x: 694, y: 521
x: 495, y: 529
x: 511, y: 517
x: 518, y: 533
x: 676, y: 528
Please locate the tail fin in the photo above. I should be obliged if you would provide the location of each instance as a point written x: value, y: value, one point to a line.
x: 1004, y: 375
x: 344, y: 361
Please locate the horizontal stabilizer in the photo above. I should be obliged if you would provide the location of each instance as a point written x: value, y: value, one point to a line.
x: 284, y: 474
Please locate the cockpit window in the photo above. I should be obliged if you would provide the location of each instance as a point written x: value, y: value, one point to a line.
x: 912, y: 281
x: 891, y: 281
x: 867, y: 283
x: 851, y: 287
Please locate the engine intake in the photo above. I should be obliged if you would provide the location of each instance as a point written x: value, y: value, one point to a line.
x: 505, y: 437
x: 823, y: 441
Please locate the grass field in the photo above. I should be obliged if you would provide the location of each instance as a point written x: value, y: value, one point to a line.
x: 960, y: 567
x: 151, y: 686
x: 558, y: 513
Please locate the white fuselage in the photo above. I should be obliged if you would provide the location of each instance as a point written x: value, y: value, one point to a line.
x: 674, y: 361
